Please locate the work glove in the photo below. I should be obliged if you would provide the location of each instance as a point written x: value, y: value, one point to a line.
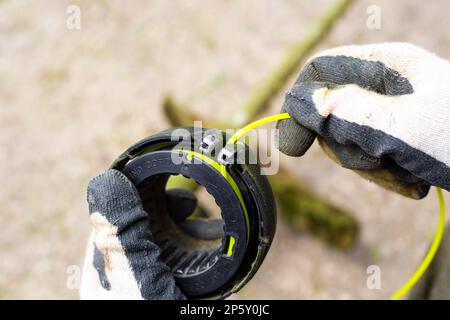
x: 382, y: 110
x: 122, y: 261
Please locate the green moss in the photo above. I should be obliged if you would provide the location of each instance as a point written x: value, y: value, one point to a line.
x: 176, y: 114
x: 306, y: 211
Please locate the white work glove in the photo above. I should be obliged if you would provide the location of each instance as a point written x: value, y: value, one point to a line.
x: 382, y: 110
x: 122, y: 261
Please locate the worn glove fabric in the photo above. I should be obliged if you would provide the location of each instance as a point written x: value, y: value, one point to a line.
x: 122, y: 262
x: 382, y: 110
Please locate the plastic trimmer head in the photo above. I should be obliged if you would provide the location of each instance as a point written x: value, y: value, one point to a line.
x: 204, y: 267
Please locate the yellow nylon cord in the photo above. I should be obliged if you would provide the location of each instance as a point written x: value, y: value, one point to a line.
x: 437, y: 238
x: 222, y: 169
x: 235, y: 137
x: 430, y: 254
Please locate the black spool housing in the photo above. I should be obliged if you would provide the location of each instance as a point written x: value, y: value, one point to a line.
x: 202, y: 269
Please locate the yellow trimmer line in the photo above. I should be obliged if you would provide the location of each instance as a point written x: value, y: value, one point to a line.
x: 400, y: 293
x: 207, y: 267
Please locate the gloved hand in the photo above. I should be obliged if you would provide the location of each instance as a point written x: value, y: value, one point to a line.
x: 382, y: 110
x: 122, y: 261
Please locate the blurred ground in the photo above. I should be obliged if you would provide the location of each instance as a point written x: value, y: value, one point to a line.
x: 72, y: 100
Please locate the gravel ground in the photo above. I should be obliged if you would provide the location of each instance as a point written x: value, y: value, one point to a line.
x: 72, y: 100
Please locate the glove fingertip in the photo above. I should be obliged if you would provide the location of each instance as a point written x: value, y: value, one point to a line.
x: 180, y: 203
x: 294, y: 139
x: 111, y: 192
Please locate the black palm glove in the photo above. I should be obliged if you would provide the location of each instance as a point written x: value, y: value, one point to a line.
x: 382, y: 110
x: 122, y: 260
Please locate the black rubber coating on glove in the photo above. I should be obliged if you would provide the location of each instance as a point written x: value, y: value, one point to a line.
x: 356, y: 146
x: 112, y: 195
x: 299, y: 103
